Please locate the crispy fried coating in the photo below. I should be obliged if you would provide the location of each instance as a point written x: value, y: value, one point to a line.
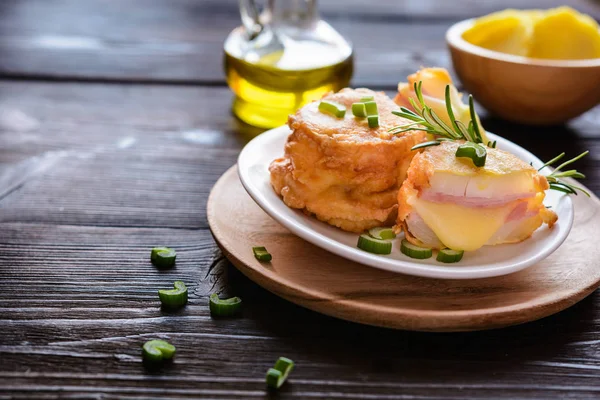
x: 339, y: 169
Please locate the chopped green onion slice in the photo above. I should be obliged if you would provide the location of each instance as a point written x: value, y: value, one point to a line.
x: 224, y: 307
x: 359, y: 110
x: 157, y: 350
x: 450, y: 256
x: 163, y: 257
x: 371, y: 107
x: 333, y: 108
x: 373, y: 121
x: 367, y: 98
x: 413, y: 251
x: 274, y: 377
x: 277, y: 375
x: 176, y: 297
x: 261, y: 253
x: 382, y: 233
x: 474, y: 151
x: 372, y: 245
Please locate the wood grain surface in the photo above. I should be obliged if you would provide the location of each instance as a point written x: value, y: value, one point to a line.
x: 115, y: 125
x: 182, y: 40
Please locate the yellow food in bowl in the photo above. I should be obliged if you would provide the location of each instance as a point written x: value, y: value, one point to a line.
x: 560, y: 34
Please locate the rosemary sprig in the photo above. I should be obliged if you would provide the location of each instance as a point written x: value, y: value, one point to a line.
x: 427, y: 120
x: 554, y: 178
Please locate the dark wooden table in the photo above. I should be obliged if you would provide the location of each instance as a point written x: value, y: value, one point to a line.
x: 115, y: 124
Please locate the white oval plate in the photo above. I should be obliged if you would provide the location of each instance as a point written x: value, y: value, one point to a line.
x: 253, y: 164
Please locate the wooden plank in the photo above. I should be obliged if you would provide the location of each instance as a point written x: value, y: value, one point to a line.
x: 434, y: 9
x: 187, y: 47
x: 177, y: 388
x: 105, y: 189
x: 150, y: 161
x: 77, y: 303
x: 181, y: 41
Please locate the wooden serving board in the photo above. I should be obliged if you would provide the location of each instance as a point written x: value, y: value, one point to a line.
x: 314, y: 278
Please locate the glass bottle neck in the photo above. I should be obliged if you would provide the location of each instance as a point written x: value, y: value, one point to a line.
x: 291, y: 13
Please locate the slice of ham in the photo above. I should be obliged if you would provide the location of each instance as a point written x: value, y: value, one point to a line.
x: 465, y: 201
x: 520, y: 212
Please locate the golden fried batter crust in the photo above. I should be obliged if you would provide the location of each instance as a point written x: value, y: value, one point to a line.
x: 342, y: 171
x: 498, y: 162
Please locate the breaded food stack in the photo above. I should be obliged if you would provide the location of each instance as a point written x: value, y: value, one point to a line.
x: 341, y: 170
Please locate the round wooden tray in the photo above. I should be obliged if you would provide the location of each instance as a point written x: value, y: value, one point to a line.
x: 314, y: 278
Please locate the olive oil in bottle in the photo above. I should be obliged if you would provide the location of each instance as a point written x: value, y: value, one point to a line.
x: 278, y: 71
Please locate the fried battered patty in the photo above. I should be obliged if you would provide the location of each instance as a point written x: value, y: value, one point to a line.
x: 339, y: 169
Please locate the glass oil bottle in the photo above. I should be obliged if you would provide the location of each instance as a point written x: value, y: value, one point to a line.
x: 282, y: 59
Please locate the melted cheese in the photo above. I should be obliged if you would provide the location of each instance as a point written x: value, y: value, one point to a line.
x: 462, y: 228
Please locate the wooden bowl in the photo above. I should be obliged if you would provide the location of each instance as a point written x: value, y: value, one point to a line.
x: 521, y: 89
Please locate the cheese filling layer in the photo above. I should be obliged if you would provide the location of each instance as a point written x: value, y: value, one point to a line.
x: 459, y: 227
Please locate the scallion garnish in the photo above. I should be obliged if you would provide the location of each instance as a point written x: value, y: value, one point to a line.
x: 224, y: 307
x: 373, y: 121
x: 372, y: 245
x: 413, y: 251
x: 155, y: 351
x: 473, y: 151
x: 367, y: 98
x: 359, y: 110
x: 371, y: 107
x: 261, y: 254
x: 367, y: 107
x: 277, y: 375
x: 332, y: 108
x: 449, y: 255
x: 382, y: 233
x: 554, y: 179
x: 174, y: 298
x: 163, y: 257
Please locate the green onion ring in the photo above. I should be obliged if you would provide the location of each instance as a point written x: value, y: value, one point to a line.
x: 224, y: 307
x: 163, y: 257
x: 332, y: 108
x: 277, y: 375
x: 413, y: 251
x: 157, y: 350
x: 359, y: 110
x: 174, y: 298
x: 473, y: 151
x: 261, y: 254
x: 449, y: 255
x: 373, y: 121
x: 371, y: 107
x: 382, y: 233
x: 372, y: 245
